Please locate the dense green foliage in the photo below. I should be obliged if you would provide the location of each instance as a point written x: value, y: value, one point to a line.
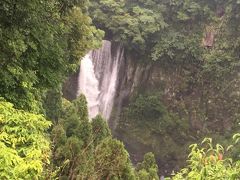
x: 167, y: 30
x: 112, y: 161
x: 24, y: 144
x: 147, y: 123
x: 148, y: 170
x: 41, y: 42
x: 86, y: 150
x: 100, y: 129
x: 129, y: 23
x: 208, y: 162
x: 72, y: 139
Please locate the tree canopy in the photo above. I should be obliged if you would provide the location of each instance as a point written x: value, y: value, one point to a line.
x: 41, y: 42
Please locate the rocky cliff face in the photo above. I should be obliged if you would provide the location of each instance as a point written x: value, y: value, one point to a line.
x: 193, y: 97
x: 133, y: 75
x: 206, y: 105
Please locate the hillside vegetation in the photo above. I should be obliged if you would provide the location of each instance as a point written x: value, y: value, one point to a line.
x: 45, y: 136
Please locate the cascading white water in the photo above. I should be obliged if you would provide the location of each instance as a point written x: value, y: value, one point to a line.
x: 88, y: 85
x: 98, y: 79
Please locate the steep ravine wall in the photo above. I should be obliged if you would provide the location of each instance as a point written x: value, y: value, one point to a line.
x: 192, y: 98
x: 131, y: 77
x: 198, y: 100
x: 207, y: 109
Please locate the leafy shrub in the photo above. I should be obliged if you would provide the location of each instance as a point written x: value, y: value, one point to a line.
x: 24, y: 146
x: 208, y: 162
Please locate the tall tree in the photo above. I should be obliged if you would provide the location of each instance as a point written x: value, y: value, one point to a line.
x: 148, y: 169
x: 72, y: 138
x: 112, y: 161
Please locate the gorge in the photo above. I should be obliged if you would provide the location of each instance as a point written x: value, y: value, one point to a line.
x: 172, y: 84
x: 112, y: 79
x: 120, y: 90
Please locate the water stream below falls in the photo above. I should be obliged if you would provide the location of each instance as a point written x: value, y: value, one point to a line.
x: 98, y: 78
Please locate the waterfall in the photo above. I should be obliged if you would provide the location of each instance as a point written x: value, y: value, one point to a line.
x: 98, y: 78
x: 88, y: 85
